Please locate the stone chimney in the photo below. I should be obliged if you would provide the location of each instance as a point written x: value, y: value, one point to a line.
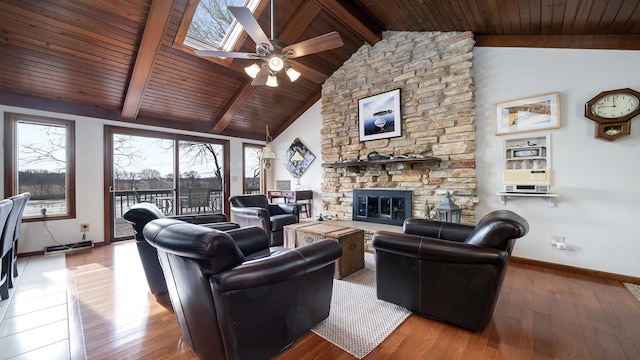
x: 434, y: 72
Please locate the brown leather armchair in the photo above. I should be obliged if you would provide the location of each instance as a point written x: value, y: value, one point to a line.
x: 140, y: 214
x: 445, y: 271
x: 255, y: 210
x: 235, y: 297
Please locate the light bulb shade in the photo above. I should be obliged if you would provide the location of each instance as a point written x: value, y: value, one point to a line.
x: 267, y: 153
x: 276, y: 63
x: 252, y: 70
x: 272, y: 81
x: 292, y: 74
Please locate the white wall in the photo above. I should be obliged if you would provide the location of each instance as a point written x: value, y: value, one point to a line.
x: 597, y: 181
x: 307, y: 129
x: 89, y: 181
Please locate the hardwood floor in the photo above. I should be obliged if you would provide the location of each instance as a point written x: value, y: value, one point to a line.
x: 541, y: 314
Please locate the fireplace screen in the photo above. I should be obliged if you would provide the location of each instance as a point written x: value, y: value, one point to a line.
x: 381, y: 206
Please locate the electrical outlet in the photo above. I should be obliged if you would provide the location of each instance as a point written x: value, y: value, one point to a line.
x: 84, y: 228
x: 555, y: 240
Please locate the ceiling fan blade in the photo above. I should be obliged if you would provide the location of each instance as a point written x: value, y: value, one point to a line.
x: 324, y: 42
x: 262, y: 76
x: 227, y: 54
x: 309, y: 73
x: 250, y: 25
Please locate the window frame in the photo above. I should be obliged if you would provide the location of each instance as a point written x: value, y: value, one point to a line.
x: 185, y: 23
x: 11, y: 121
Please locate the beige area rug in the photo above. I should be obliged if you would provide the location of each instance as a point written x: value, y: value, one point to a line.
x: 358, y: 321
x: 634, y: 288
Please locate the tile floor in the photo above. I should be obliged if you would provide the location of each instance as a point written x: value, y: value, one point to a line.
x: 34, y: 321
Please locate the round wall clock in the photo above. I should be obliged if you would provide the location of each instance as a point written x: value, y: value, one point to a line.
x: 614, y: 105
x: 612, y: 111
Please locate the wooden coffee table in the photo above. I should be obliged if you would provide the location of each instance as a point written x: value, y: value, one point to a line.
x: 351, y: 240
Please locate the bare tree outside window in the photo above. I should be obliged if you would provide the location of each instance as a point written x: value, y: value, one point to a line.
x: 212, y: 20
x: 251, y: 180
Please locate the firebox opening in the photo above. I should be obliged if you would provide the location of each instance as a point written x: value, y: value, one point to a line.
x: 390, y: 207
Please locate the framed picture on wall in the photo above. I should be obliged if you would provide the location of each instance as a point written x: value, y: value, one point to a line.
x: 533, y: 113
x: 379, y: 116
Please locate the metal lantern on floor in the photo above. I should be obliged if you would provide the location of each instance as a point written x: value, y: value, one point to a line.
x: 447, y: 210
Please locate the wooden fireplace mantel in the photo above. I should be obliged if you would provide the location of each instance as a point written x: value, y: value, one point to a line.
x: 429, y: 160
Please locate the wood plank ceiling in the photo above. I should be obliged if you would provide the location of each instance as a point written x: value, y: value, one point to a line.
x: 118, y: 59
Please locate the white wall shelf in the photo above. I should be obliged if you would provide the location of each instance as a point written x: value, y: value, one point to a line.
x: 551, y: 197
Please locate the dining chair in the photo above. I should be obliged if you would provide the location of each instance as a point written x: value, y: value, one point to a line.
x: 6, y: 238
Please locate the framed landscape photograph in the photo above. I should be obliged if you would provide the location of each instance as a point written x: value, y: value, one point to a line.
x: 379, y: 116
x: 538, y: 112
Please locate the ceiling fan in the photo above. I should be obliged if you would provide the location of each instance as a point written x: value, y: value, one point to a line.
x: 274, y: 55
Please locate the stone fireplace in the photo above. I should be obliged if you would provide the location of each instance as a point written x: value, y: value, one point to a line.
x: 382, y: 206
x: 434, y: 73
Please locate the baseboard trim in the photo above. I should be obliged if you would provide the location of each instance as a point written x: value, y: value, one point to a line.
x: 577, y: 270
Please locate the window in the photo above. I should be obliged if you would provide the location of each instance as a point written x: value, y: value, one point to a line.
x: 40, y: 159
x: 179, y: 174
x: 212, y: 26
x: 251, y: 169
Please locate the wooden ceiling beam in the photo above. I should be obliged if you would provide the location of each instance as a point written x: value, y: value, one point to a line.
x: 604, y: 42
x: 351, y: 21
x: 58, y: 106
x: 241, y: 97
x: 154, y: 29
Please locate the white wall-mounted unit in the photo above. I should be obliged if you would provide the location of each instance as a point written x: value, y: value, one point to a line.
x: 527, y: 164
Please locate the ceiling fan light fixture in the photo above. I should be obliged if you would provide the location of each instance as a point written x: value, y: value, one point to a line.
x: 252, y: 70
x: 272, y: 80
x: 292, y: 74
x: 276, y: 63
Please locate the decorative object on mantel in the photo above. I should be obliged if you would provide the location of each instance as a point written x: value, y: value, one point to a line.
x: 612, y: 111
x: 533, y: 113
x: 379, y: 116
x: 427, y: 209
x: 297, y: 159
x: 447, y: 210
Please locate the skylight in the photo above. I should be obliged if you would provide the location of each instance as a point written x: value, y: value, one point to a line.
x: 213, y: 27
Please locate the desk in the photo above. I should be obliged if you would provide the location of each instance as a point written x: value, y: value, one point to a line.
x: 303, y: 197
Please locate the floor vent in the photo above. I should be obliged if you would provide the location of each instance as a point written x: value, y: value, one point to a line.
x: 68, y: 248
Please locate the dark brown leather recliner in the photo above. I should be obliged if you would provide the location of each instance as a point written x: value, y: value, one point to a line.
x: 234, y: 296
x: 140, y: 214
x: 255, y: 210
x: 445, y: 271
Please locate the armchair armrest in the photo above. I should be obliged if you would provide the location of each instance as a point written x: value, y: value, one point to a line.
x: 281, y: 267
x: 285, y: 208
x: 437, y: 229
x: 201, y: 218
x: 431, y: 249
x: 251, y: 216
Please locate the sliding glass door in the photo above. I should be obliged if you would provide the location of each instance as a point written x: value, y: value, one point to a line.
x: 178, y: 174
